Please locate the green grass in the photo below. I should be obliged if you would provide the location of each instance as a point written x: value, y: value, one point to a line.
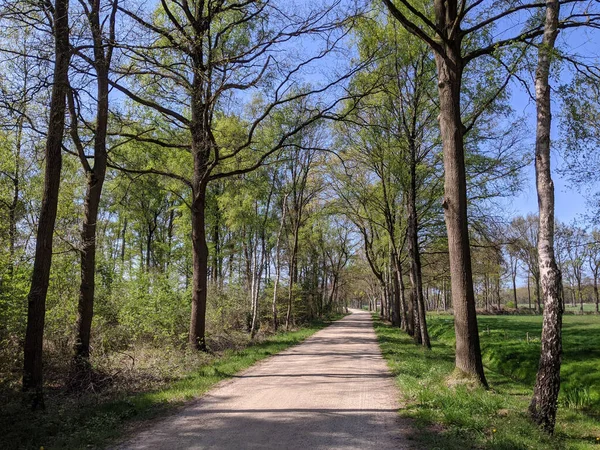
x: 463, y: 417
x: 587, y: 307
x: 92, y: 425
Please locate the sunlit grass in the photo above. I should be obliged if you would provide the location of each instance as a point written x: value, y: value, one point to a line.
x: 462, y: 417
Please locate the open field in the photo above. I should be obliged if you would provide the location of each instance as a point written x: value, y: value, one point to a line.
x: 460, y: 417
x: 587, y: 308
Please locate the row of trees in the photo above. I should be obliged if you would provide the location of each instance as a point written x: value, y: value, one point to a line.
x: 247, y: 150
x: 390, y: 186
x: 577, y: 253
x: 505, y: 266
x: 185, y: 101
x: 464, y: 36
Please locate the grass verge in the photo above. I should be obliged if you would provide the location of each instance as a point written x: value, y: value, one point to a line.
x: 460, y: 417
x: 71, y: 423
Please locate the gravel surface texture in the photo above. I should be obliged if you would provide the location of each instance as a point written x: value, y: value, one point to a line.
x: 333, y: 391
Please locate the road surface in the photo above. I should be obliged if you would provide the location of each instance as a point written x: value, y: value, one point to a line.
x: 333, y: 391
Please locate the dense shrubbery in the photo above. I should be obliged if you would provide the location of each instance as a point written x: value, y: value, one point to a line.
x: 140, y: 308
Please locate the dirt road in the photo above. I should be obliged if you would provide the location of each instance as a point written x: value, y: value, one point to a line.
x: 333, y: 391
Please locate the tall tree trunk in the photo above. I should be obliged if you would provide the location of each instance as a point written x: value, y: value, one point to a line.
x: 248, y: 255
x: 498, y: 300
x: 416, y: 275
x: 449, y: 68
x: 529, y: 291
x: 85, y: 308
x: 254, y: 272
x: 322, y: 282
x: 333, y: 293
x: 123, y: 234
x: 397, y: 311
x: 95, y: 180
x: 261, y: 266
x: 514, y: 283
x: 406, y: 315
x: 215, y: 239
x: 486, y: 291
x: 197, y: 338
x: 34, y: 335
x: 16, y: 176
x: 202, y: 147
x: 383, y: 296
x: 149, y: 240
x: 256, y: 278
x: 293, y: 275
x: 16, y: 182
x: 315, y: 288
x: 416, y: 323
x: 278, y: 264
x: 170, y: 229
x: 544, y: 402
x: 407, y: 308
x: 276, y: 286
x: 392, y: 300
x: 580, y: 294
x: 596, y: 295
x: 445, y: 294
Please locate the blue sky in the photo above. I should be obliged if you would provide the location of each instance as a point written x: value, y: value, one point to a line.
x: 570, y: 204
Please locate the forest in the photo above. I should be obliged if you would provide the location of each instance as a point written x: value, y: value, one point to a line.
x: 188, y: 186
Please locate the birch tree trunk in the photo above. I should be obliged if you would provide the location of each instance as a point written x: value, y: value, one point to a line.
x: 543, y: 406
x: 254, y: 283
x: 293, y: 275
x: 514, y: 283
x: 261, y: 268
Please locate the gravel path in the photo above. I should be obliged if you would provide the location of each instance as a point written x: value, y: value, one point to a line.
x: 333, y: 391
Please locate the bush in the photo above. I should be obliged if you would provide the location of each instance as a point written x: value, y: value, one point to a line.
x: 154, y: 308
x: 13, y: 301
